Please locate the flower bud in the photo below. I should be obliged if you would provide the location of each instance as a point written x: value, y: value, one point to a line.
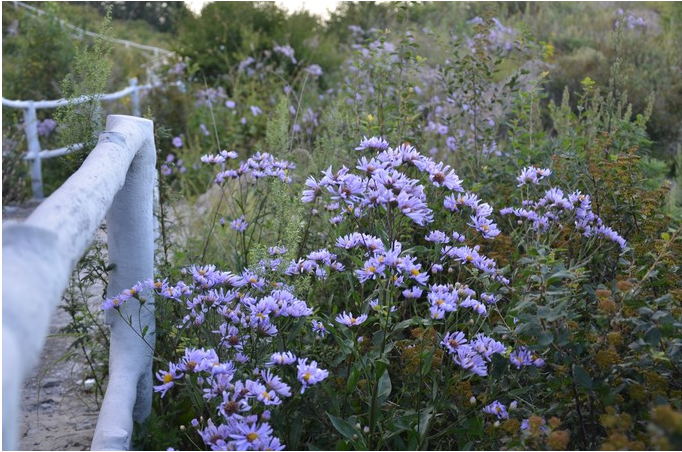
x: 472, y: 400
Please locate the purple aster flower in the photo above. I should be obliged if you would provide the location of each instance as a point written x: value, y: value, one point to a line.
x: 371, y: 269
x: 231, y: 337
x: 210, y: 158
x: 282, y: 358
x: 230, y: 104
x: 46, y: 127
x: 487, y: 346
x: 349, y: 320
x: 373, y: 143
x: 309, y: 374
x: 467, y: 358
x: 442, y: 298
x: 414, y: 292
x: 497, y: 409
x: 167, y: 378
x: 489, y: 298
x: 287, y: 51
x: 521, y: 357
x: 436, y: 268
x: 277, y: 250
x: 166, y: 170
x: 239, y: 224
x: 485, y: 226
x: 453, y: 340
x: 275, y: 383
x: 532, y: 175
x: 437, y: 237
x: 255, y: 111
x: 112, y: 303
x: 313, y: 191
x: 262, y: 394
x: 457, y: 237
x: 215, y: 437
x: 314, y: 69
x: 249, y: 436
x: 444, y: 176
x: 198, y: 360
x: 177, y: 142
x: 475, y: 305
x: 319, y: 328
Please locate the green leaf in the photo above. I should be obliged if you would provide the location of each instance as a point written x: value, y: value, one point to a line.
x: 353, y: 378
x: 653, y: 336
x: 384, y: 389
x: 342, y: 426
x: 424, y: 418
x: 545, y: 338
x: 581, y: 377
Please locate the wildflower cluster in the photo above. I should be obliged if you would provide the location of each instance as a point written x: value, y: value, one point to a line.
x: 172, y: 165
x: 472, y: 356
x: 556, y: 207
x: 258, y: 166
x: 239, y: 375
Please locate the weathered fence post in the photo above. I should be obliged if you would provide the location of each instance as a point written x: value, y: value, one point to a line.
x: 33, y: 143
x: 39, y: 254
x: 135, y: 97
x: 130, y: 232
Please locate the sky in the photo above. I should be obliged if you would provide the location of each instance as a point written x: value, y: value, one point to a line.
x: 319, y: 7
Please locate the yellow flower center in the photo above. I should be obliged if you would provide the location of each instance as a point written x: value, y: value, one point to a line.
x: 469, y: 258
x: 251, y: 437
x: 414, y: 272
x: 167, y: 378
x: 371, y: 269
x: 307, y: 376
x: 266, y: 395
x: 440, y: 302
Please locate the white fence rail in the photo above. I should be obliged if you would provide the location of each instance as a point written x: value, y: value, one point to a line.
x: 79, y: 32
x: 30, y: 107
x: 116, y: 180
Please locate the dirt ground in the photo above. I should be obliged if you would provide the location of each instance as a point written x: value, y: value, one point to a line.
x: 58, y: 412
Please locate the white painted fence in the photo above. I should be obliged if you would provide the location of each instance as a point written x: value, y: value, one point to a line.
x: 117, y: 180
x: 79, y: 32
x: 30, y: 107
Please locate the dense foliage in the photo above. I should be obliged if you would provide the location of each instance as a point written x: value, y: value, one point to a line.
x: 417, y: 227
